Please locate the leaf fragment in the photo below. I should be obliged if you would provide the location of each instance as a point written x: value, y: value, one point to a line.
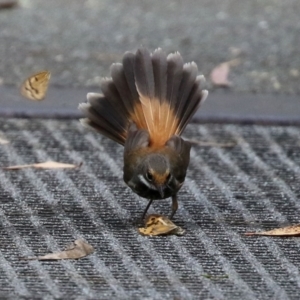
x: 77, y: 249
x: 293, y: 230
x: 45, y: 165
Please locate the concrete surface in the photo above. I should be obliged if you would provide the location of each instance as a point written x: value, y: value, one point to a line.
x: 78, y: 40
x: 251, y: 186
x: 218, y: 108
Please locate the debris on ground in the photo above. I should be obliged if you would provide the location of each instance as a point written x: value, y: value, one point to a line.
x: 293, y: 230
x: 45, y: 165
x: 160, y: 225
x: 77, y: 249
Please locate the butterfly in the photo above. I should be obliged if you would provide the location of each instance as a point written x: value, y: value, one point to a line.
x: 35, y: 87
x: 160, y: 225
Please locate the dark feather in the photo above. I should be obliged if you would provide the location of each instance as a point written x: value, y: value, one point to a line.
x: 159, y: 62
x: 182, y: 148
x: 111, y: 93
x: 108, y: 110
x: 189, y: 75
x: 196, y: 96
x: 89, y: 124
x: 143, y: 72
x: 136, y: 138
x: 122, y: 86
x: 174, y: 74
x: 179, y: 145
x: 128, y: 67
x: 102, y: 124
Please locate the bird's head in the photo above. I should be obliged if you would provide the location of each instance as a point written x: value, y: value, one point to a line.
x: 154, y: 179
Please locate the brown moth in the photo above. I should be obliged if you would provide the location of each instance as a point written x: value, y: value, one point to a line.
x: 160, y: 225
x: 35, y: 86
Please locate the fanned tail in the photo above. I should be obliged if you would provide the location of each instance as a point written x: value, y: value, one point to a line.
x: 156, y: 92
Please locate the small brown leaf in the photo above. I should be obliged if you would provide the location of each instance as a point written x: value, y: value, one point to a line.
x: 160, y: 225
x: 45, y: 165
x: 293, y: 230
x: 3, y: 141
x: 77, y: 249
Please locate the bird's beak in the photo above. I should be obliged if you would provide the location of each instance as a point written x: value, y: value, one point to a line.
x: 160, y: 189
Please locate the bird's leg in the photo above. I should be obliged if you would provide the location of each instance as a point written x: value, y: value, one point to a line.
x: 146, y: 209
x: 174, y: 206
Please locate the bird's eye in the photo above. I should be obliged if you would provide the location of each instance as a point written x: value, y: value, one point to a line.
x: 149, y: 176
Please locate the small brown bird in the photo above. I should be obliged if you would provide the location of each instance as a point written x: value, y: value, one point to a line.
x: 145, y: 106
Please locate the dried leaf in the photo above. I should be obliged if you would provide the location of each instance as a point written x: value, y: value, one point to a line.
x: 219, y: 75
x: 45, y: 165
x: 293, y: 230
x: 54, y: 165
x: 3, y: 141
x: 77, y: 249
x: 17, y: 167
x: 160, y: 225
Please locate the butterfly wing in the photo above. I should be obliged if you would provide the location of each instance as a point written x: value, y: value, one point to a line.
x: 35, y: 87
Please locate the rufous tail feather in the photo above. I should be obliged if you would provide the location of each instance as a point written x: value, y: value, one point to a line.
x: 158, y: 93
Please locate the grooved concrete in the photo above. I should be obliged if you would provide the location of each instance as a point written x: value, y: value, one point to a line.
x: 229, y: 191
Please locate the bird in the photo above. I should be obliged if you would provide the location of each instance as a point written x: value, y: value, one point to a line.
x: 145, y: 106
